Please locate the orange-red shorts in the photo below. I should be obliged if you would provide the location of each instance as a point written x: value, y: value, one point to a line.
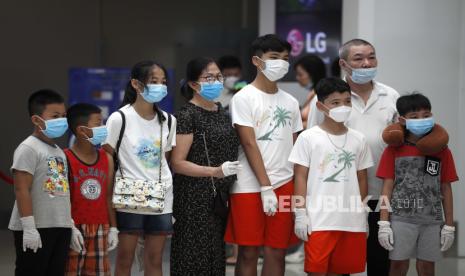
x: 248, y: 225
x: 337, y: 252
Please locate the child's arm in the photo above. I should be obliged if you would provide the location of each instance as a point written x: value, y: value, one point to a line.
x: 252, y: 152
x: 302, y: 224
x: 111, y: 177
x: 385, y: 199
x: 113, y: 232
x: 300, y: 185
x: 23, y: 184
x: 363, y: 183
x: 447, y: 203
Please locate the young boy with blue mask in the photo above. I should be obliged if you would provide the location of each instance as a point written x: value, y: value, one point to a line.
x: 91, y: 188
x: 418, y: 188
x: 41, y: 218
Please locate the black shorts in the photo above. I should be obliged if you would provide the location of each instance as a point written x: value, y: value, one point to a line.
x: 144, y: 224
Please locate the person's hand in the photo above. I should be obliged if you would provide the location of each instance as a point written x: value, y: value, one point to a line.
x: 230, y: 168
x: 269, y: 200
x: 447, y: 237
x: 112, y: 238
x: 77, y: 241
x: 302, y: 225
x: 385, y: 235
x: 31, y: 237
x: 140, y: 253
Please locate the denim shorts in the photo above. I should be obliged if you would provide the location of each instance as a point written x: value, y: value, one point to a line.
x: 144, y: 224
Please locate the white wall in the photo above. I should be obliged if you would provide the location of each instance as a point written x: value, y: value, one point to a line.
x: 420, y: 46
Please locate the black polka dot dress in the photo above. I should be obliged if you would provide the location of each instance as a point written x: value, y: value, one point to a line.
x: 197, y: 246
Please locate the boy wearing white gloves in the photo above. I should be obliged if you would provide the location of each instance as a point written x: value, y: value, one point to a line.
x: 330, y: 171
x: 41, y: 218
x: 418, y: 188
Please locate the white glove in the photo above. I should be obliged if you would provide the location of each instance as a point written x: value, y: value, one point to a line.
x: 385, y: 235
x: 77, y: 241
x: 230, y: 168
x: 447, y: 237
x: 269, y: 200
x: 140, y: 253
x: 31, y: 237
x: 302, y: 225
x: 112, y: 238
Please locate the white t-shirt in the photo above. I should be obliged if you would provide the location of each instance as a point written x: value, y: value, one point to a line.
x: 274, y: 118
x: 139, y: 152
x: 333, y: 195
x: 370, y: 119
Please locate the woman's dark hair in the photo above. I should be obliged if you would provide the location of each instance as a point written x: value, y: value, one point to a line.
x: 314, y: 66
x: 141, y: 71
x: 193, y: 71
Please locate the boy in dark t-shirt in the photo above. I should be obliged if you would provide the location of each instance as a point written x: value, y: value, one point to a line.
x: 420, y: 194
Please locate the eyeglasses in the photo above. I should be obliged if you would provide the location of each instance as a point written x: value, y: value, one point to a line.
x: 211, y: 79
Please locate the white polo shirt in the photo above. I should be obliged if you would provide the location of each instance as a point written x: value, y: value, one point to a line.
x: 370, y: 119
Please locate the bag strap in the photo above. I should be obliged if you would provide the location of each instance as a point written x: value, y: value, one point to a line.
x: 118, y: 143
x: 208, y: 162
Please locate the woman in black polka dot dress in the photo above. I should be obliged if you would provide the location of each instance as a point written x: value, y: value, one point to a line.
x: 197, y: 246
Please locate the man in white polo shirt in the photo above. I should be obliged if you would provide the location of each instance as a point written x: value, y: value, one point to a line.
x: 373, y: 109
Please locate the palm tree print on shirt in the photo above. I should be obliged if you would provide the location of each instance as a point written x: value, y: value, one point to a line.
x: 347, y: 158
x: 281, y: 117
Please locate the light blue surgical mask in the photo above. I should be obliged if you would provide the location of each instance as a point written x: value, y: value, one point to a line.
x: 99, y: 135
x: 419, y: 127
x: 55, y: 128
x: 211, y: 91
x: 154, y: 93
x: 363, y: 75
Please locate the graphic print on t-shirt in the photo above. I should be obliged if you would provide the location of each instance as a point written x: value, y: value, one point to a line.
x: 279, y: 117
x: 417, y: 192
x: 57, y: 181
x: 148, y: 152
x: 91, y: 189
x: 340, y: 160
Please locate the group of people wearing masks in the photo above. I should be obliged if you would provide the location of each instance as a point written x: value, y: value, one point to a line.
x: 248, y: 175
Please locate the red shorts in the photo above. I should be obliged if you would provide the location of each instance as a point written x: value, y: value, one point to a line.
x: 248, y: 225
x: 337, y: 252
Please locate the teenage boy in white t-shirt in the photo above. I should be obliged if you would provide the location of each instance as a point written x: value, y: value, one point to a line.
x: 330, y: 170
x: 267, y: 120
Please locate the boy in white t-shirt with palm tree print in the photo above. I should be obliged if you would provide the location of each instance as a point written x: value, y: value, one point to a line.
x: 330, y: 171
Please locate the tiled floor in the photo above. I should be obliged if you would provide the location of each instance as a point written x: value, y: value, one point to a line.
x: 446, y: 267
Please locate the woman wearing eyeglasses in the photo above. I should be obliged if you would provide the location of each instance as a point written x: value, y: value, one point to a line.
x: 205, y: 165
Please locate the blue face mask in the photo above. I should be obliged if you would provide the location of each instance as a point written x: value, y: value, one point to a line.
x: 55, y: 128
x: 419, y: 127
x: 99, y: 134
x: 211, y: 91
x: 363, y: 75
x: 154, y: 93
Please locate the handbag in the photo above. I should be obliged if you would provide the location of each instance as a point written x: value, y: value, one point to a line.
x: 220, y: 199
x: 135, y: 194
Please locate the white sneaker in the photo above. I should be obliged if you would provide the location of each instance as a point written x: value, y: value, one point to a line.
x: 297, y: 257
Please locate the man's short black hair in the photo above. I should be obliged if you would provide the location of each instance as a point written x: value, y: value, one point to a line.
x: 39, y: 99
x: 79, y: 115
x: 328, y: 86
x: 226, y: 62
x: 269, y: 43
x: 412, y: 102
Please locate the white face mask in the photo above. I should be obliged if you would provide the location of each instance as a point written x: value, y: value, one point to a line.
x: 275, y: 69
x: 229, y: 82
x: 340, y: 114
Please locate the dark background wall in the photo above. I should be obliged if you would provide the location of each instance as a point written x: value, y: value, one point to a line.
x: 41, y: 40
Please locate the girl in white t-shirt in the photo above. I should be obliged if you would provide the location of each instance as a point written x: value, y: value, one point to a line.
x: 142, y: 153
